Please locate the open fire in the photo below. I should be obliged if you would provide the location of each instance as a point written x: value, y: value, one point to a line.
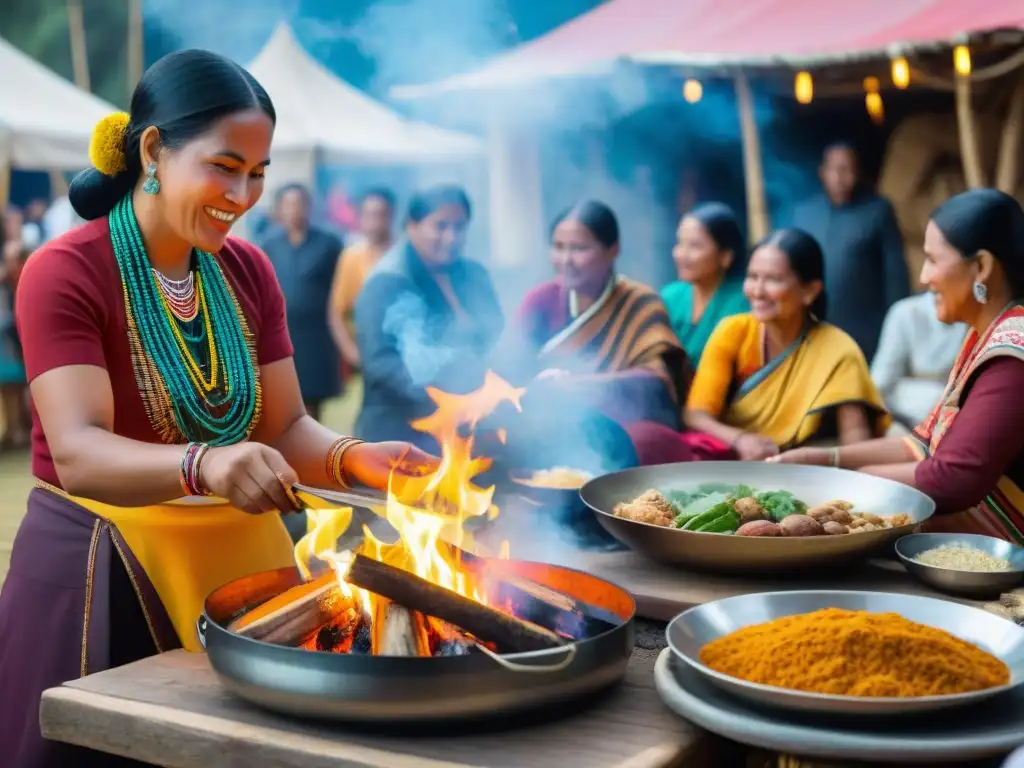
x: 432, y: 591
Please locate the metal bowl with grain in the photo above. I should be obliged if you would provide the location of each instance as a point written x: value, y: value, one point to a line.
x: 974, y: 584
x: 742, y: 554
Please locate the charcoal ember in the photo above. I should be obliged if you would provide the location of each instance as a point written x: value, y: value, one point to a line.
x: 361, y: 641
x: 328, y: 637
x: 453, y: 648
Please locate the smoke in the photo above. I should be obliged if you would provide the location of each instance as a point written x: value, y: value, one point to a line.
x: 414, y: 41
x: 407, y: 321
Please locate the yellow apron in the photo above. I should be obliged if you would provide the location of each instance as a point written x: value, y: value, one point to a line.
x: 189, y: 548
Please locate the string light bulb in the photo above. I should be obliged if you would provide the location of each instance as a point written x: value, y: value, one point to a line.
x: 803, y: 87
x: 873, y: 100
x: 692, y: 91
x: 900, y: 72
x: 962, y: 60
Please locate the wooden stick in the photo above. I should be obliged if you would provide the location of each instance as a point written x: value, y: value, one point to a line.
x: 974, y: 174
x: 291, y: 616
x: 539, y: 603
x: 483, y: 622
x: 753, y: 169
x: 1008, y: 165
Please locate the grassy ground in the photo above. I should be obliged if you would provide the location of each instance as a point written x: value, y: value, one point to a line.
x: 16, y: 480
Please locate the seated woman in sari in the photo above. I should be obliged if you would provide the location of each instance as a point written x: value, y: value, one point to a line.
x: 426, y: 316
x: 968, y: 455
x: 596, y: 351
x: 710, y: 257
x: 779, y: 376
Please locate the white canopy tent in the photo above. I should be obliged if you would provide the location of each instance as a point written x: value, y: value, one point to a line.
x: 45, y: 121
x: 322, y: 118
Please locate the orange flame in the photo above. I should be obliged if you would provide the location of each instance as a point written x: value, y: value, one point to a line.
x: 429, y: 512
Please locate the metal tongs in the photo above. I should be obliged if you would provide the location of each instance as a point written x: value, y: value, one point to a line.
x: 363, y: 498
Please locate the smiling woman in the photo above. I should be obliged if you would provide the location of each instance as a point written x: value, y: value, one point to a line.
x: 776, y: 377
x: 160, y: 365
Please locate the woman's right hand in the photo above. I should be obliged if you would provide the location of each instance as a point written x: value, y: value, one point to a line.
x: 815, y: 457
x: 751, y: 447
x: 253, y: 477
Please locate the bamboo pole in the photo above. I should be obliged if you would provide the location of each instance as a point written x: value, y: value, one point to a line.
x: 1008, y: 165
x: 135, y: 47
x: 58, y: 183
x: 77, y: 40
x: 758, y: 223
x: 974, y: 175
x: 5, y: 187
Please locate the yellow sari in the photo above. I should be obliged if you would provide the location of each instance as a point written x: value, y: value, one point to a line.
x: 786, y: 398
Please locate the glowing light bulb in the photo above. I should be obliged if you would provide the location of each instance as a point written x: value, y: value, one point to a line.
x: 692, y: 91
x: 873, y: 103
x: 803, y: 87
x: 900, y: 72
x: 962, y: 60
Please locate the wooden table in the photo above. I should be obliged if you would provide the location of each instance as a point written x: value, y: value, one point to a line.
x: 171, y: 711
x: 662, y: 592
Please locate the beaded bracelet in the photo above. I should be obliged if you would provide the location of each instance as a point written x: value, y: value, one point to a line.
x: 190, y: 464
x: 335, y: 454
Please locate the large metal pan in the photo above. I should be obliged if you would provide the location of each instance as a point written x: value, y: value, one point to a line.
x: 743, y: 554
x: 388, y: 689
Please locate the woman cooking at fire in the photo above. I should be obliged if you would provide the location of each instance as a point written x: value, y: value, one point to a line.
x: 968, y: 455
x: 160, y: 366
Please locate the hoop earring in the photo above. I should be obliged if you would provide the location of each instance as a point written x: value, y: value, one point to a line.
x: 980, y: 292
x: 152, y: 184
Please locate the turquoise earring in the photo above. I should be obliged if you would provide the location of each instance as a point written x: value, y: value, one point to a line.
x: 152, y: 184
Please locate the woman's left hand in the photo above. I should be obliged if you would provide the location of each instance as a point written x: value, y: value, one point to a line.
x: 372, y: 464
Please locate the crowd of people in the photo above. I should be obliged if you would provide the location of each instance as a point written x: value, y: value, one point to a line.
x: 176, y: 373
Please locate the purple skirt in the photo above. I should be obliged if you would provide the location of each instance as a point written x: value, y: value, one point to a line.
x: 75, y: 601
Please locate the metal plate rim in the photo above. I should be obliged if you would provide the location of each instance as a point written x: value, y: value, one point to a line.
x: 769, y: 729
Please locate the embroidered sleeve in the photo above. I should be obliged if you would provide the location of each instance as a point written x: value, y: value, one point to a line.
x: 986, y: 436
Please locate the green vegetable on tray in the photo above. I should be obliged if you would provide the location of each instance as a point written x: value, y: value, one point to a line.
x: 711, y: 508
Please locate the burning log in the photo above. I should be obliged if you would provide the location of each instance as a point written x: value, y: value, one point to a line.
x: 336, y: 636
x: 291, y: 617
x: 541, y: 604
x: 397, y: 631
x: 483, y: 622
x: 548, y: 607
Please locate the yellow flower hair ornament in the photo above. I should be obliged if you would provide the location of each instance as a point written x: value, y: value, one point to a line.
x: 106, y: 147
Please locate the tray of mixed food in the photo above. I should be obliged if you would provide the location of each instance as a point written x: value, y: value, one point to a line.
x: 738, y: 516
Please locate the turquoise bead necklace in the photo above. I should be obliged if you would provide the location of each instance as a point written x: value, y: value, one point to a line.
x: 199, y: 380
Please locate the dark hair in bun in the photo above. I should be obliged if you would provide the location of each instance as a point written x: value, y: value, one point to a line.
x: 184, y: 94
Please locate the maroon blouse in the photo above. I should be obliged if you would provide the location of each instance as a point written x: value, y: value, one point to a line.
x: 70, y: 311
x: 984, y: 442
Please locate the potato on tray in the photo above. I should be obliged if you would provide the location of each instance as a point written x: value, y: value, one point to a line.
x: 743, y: 511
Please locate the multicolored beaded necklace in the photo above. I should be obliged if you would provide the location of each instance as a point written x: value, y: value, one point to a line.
x: 195, y: 366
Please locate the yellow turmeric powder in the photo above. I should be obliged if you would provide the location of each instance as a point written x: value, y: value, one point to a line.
x: 855, y: 653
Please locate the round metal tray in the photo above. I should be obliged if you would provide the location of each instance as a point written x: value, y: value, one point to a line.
x: 941, y: 737
x: 750, y: 554
x: 691, y: 630
x: 388, y: 689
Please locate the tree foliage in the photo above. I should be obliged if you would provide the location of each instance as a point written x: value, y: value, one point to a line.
x: 40, y: 29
